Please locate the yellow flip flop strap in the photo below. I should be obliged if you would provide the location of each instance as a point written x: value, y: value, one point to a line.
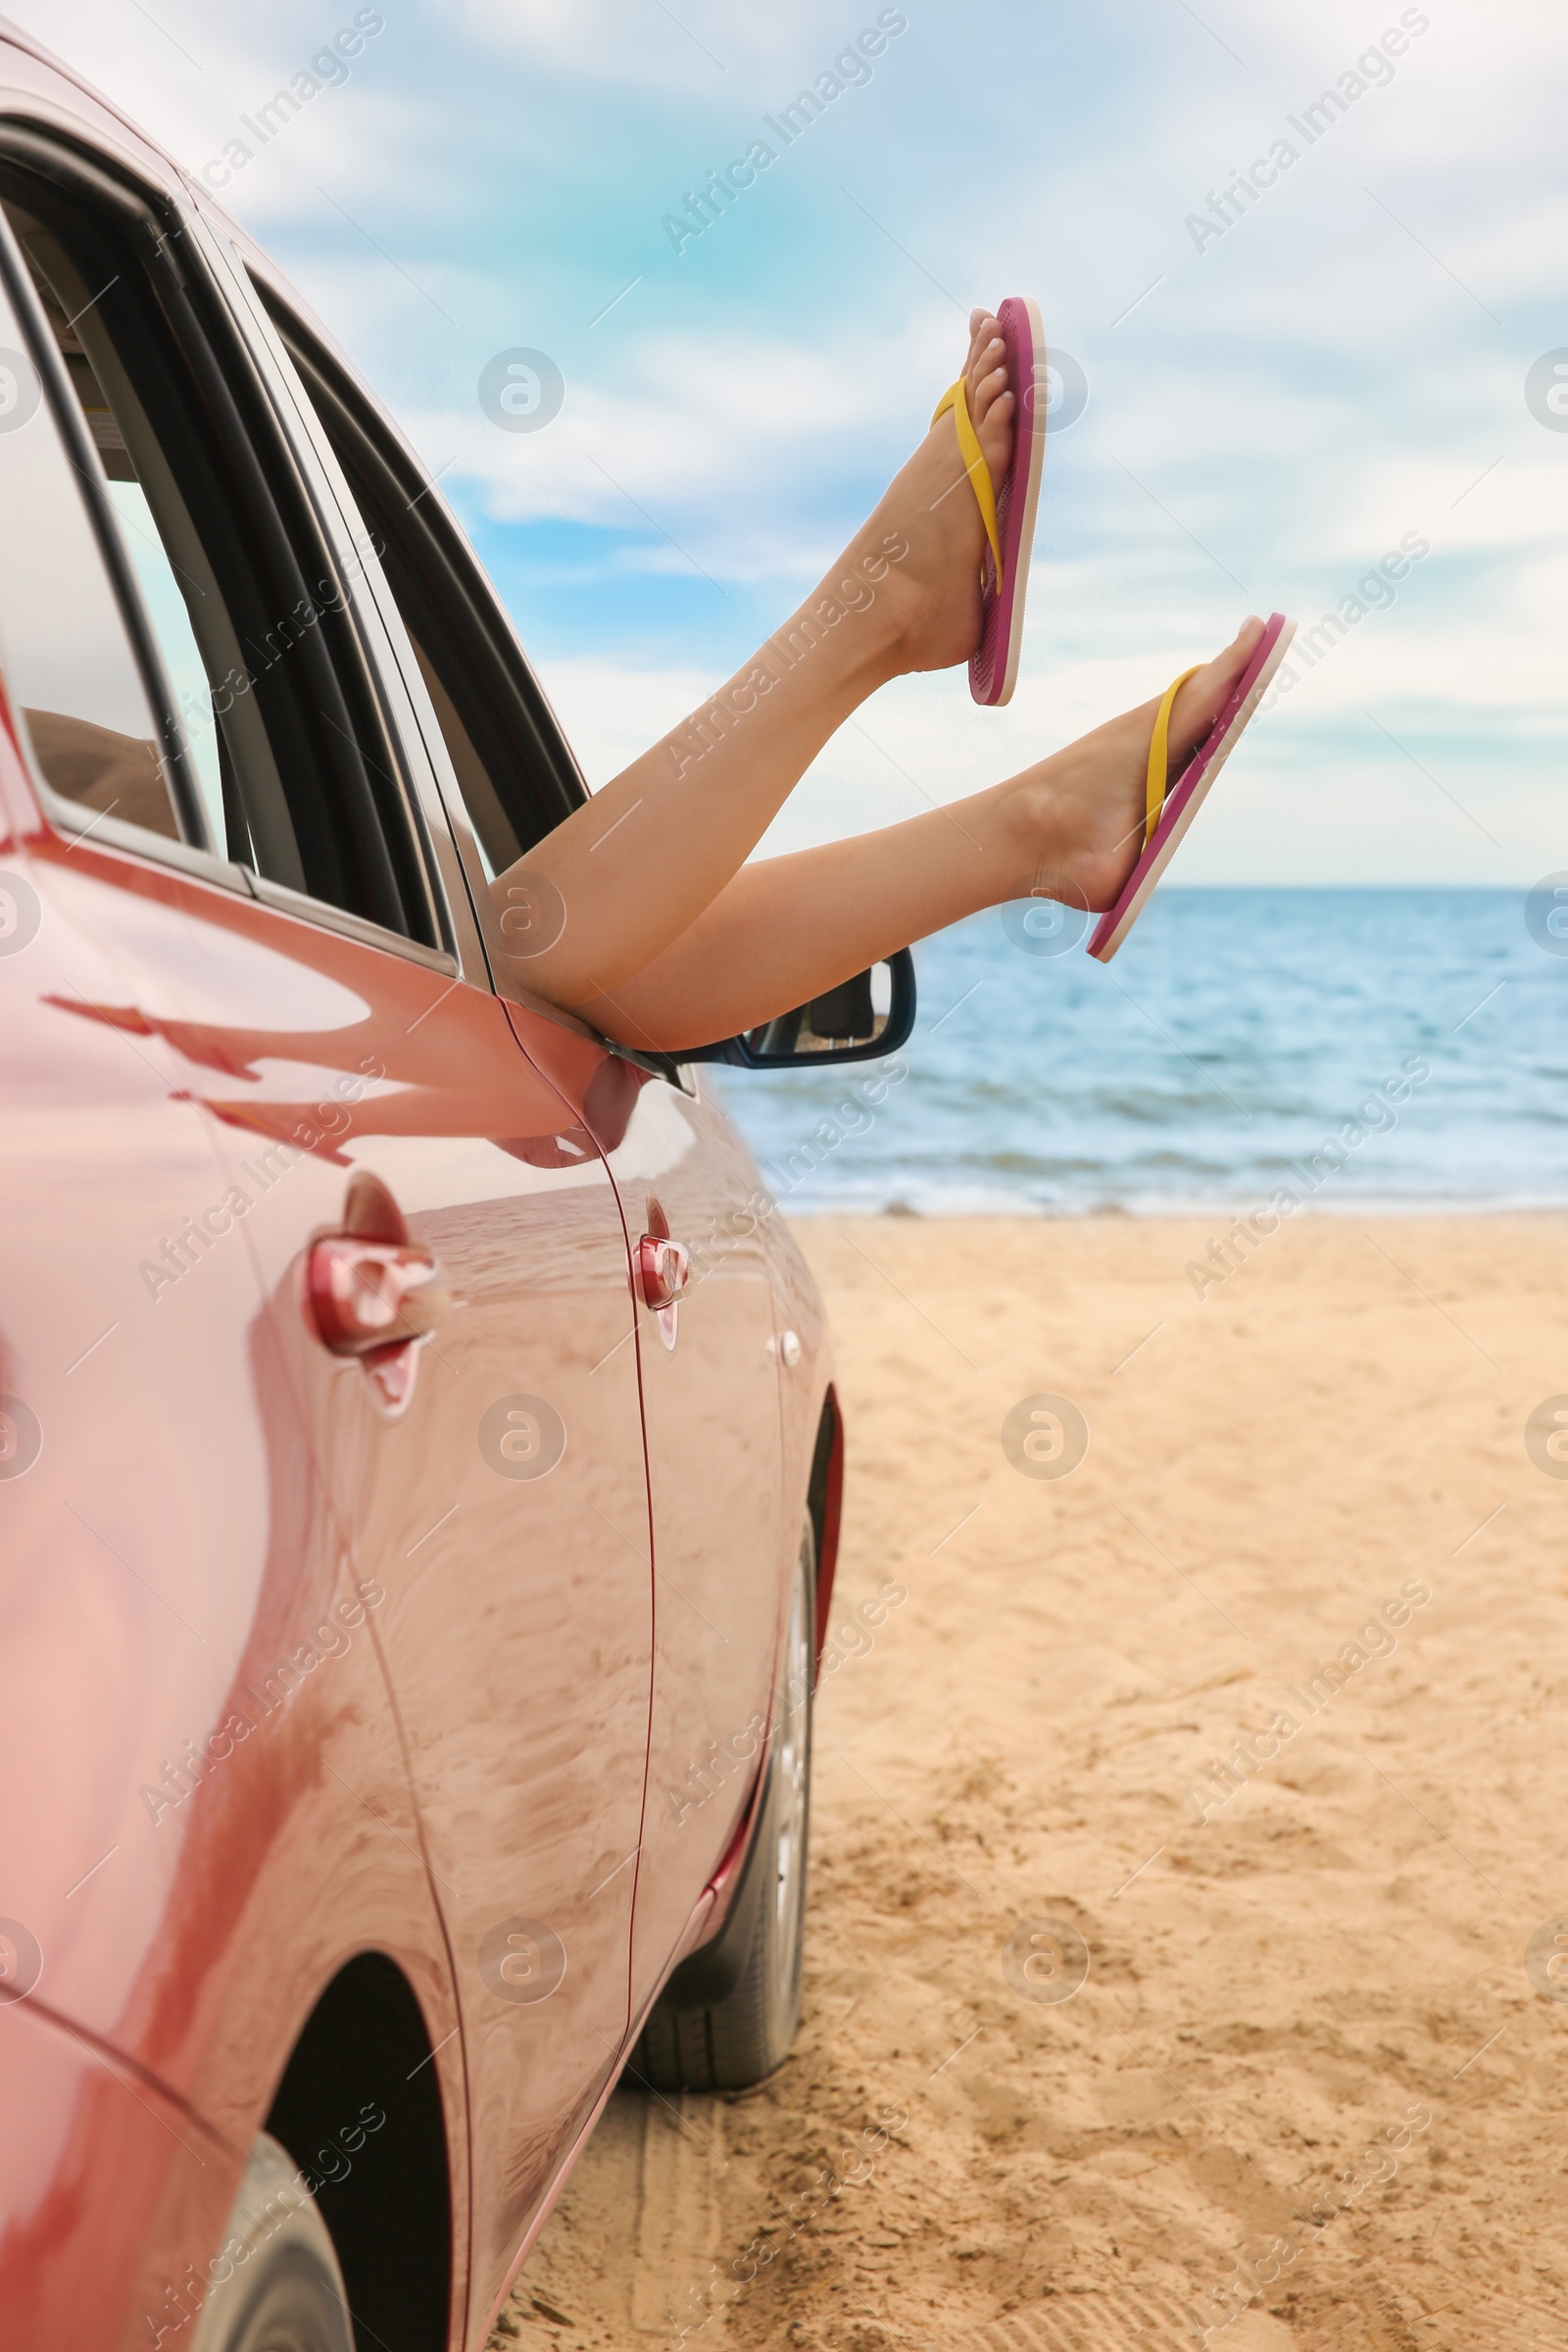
x: 974, y: 465
x: 1159, y: 753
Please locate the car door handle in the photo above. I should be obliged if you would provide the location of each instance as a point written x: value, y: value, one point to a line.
x: 663, y: 1269
x: 368, y: 1295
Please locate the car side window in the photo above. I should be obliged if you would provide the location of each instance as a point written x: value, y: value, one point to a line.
x: 287, y: 767
x: 72, y: 672
x: 515, y: 776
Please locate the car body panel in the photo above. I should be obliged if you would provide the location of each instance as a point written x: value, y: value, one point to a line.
x: 711, y: 1412
x: 516, y: 1625
x: 219, y: 1814
x: 707, y: 1369
x: 106, y: 2183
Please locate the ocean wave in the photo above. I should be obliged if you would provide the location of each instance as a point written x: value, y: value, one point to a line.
x: 1234, y: 1040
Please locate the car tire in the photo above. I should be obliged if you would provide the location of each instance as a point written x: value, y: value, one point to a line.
x: 731, y: 2013
x: 276, y: 2285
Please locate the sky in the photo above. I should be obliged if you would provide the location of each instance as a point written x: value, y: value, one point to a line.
x: 1352, y: 361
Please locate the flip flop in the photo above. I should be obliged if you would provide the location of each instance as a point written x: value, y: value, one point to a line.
x: 1171, y: 813
x: 1009, y: 514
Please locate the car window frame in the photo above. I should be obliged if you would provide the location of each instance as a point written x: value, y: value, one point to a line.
x: 361, y: 575
x: 431, y: 758
x: 382, y: 637
x: 114, y: 179
x: 557, y: 780
x: 244, y: 269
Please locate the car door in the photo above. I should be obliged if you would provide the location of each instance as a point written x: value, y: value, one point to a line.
x: 502, y: 1506
x: 205, y: 1806
x: 335, y: 1016
x: 724, y: 1538
x: 723, y: 1545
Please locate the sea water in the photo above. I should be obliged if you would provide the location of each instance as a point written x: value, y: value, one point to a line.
x: 1403, y: 1048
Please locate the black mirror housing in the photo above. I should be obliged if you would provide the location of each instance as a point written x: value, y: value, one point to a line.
x: 841, y: 1025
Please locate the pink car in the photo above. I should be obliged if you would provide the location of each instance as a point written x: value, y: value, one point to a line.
x: 419, y: 1460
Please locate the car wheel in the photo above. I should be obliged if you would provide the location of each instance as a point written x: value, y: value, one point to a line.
x: 730, y: 2012
x: 276, y: 2285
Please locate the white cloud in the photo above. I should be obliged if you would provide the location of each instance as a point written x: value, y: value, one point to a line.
x: 712, y: 437
x: 697, y: 49
x: 185, y: 73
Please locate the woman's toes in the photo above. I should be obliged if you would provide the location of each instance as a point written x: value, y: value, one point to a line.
x: 1207, y: 693
x: 985, y: 348
x: 988, y: 364
x: 987, y: 392
x: 994, y: 425
x: 1239, y: 652
x: 1217, y: 677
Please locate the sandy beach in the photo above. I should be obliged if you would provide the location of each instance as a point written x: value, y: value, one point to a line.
x: 1308, y: 2065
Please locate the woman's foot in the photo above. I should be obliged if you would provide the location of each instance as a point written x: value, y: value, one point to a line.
x: 931, y: 595
x: 1080, y: 815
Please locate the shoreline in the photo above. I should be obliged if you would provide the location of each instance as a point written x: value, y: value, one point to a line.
x: 1205, y: 1213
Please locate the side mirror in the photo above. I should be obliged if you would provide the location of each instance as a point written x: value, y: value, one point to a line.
x: 860, y: 1020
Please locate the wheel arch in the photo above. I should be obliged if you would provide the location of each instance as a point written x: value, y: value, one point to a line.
x: 382, y: 2188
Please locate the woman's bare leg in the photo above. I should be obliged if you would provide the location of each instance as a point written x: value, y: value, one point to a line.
x: 785, y: 930
x: 624, y: 876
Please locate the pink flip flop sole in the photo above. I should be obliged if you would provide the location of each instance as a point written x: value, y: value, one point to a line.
x: 1186, y: 795
x: 994, y: 665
